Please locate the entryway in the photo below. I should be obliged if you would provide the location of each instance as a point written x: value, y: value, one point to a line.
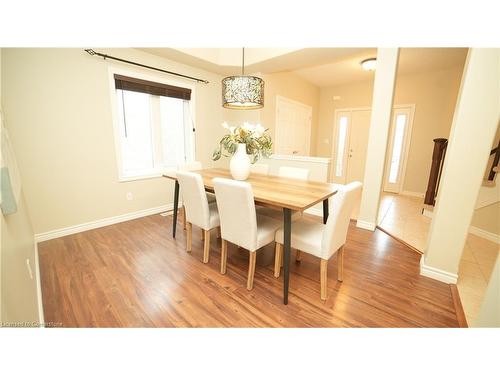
x: 351, y: 132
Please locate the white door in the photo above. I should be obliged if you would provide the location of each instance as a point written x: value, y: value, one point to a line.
x: 293, y: 127
x: 397, y: 152
x: 350, y: 144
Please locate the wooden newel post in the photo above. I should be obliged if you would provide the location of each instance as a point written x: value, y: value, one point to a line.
x: 437, y: 161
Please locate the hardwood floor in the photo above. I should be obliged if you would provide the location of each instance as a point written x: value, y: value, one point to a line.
x: 134, y: 274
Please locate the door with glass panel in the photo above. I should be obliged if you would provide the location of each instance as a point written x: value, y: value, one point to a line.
x: 398, y: 147
x: 350, y: 143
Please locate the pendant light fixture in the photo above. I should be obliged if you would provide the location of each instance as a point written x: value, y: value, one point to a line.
x: 242, y: 92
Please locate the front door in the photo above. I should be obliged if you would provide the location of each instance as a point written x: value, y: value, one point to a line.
x: 351, y: 141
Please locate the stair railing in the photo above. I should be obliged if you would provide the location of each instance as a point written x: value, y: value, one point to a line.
x: 438, y: 155
x: 496, y: 159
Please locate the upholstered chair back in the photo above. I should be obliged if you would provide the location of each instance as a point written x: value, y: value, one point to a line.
x: 292, y: 172
x: 191, y: 166
x: 194, y: 198
x: 259, y: 168
x: 238, y: 220
x: 341, y: 206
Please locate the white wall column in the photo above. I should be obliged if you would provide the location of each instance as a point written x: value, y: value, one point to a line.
x: 383, y: 93
x: 476, y: 118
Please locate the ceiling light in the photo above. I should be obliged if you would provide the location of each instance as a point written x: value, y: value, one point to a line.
x: 242, y: 92
x: 369, y: 64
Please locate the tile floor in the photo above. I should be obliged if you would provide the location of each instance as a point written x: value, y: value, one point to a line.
x: 401, y: 216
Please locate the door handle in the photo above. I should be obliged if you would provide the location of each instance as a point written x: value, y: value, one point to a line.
x: 295, y: 152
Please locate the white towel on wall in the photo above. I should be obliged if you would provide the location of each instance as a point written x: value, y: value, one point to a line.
x: 10, y: 180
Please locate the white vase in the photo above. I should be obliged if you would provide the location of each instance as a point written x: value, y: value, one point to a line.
x: 240, y: 163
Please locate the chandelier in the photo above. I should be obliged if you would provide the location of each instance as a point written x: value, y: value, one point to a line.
x: 242, y: 92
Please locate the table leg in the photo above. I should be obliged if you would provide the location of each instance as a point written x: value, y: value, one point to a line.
x: 176, y: 207
x: 325, y: 211
x: 287, y: 234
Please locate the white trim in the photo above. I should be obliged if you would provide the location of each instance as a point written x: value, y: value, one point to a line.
x: 39, y: 299
x: 140, y: 177
x: 427, y: 213
x: 40, y: 237
x: 412, y: 193
x: 310, y: 159
x: 493, y: 237
x: 366, y: 225
x: 437, y: 274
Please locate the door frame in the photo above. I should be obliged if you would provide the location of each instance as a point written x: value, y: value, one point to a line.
x: 406, y: 144
x: 277, y: 129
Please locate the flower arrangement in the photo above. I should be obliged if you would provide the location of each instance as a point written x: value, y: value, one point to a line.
x: 258, y: 142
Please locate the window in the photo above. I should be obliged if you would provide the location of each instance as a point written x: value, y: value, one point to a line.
x: 341, y: 140
x: 154, y: 126
x: 397, y: 148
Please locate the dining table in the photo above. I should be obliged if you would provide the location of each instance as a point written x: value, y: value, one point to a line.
x: 286, y: 194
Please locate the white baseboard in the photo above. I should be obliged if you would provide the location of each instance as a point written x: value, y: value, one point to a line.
x: 412, y: 193
x: 366, y: 225
x: 493, y: 237
x: 427, y: 213
x: 39, y: 299
x: 40, y: 237
x: 437, y: 274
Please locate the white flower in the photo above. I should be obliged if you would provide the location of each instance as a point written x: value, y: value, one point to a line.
x: 259, y: 130
x: 232, y: 130
x: 248, y: 127
x: 225, y: 125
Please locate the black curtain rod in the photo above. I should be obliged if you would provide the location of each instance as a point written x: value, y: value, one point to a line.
x: 104, y: 56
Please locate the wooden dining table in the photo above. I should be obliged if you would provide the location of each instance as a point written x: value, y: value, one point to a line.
x: 286, y: 194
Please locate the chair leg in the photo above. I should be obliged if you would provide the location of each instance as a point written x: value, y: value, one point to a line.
x: 184, y: 217
x: 223, y: 257
x: 206, y: 246
x: 298, y: 256
x: 189, y: 237
x: 340, y: 261
x: 324, y: 278
x: 202, y: 234
x: 251, y: 269
x: 278, y: 254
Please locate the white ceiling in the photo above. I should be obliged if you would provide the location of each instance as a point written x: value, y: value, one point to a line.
x: 227, y: 61
x: 322, y: 67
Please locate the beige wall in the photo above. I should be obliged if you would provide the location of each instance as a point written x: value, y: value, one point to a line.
x: 488, y: 218
x: 292, y: 87
x: 434, y: 94
x: 18, y: 292
x: 58, y: 108
x: 466, y: 156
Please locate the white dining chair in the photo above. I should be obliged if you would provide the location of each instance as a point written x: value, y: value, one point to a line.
x: 323, y: 240
x: 259, y: 168
x: 198, y: 211
x: 293, y: 172
x: 240, y: 224
x: 288, y: 172
x: 192, y: 166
